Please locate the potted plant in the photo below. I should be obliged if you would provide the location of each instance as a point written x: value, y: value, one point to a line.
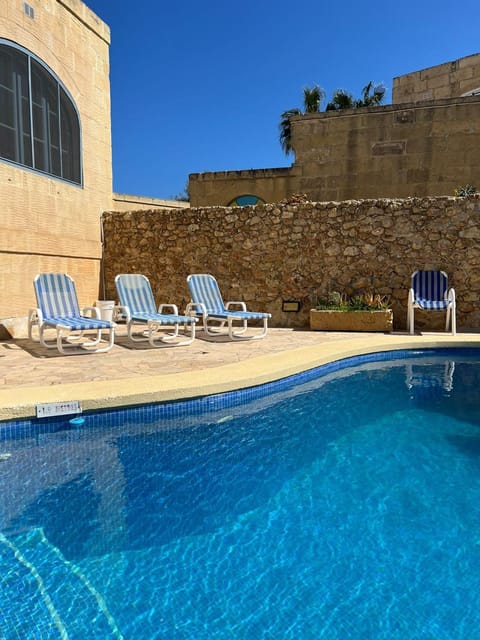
x: 360, y: 312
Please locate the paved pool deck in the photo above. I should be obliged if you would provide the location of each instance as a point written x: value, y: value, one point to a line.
x: 137, y: 373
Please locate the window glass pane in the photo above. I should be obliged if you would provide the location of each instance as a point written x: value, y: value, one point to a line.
x: 245, y: 200
x: 54, y: 139
x: 15, y: 138
x: 40, y: 137
x: 70, y: 139
x: 27, y: 140
x: 7, y: 111
x: 7, y: 143
x: 39, y: 116
x: 6, y: 67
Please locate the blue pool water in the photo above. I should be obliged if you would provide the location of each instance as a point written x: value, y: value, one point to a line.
x: 342, y: 504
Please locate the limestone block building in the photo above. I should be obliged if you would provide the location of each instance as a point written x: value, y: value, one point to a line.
x: 426, y: 143
x: 55, y: 149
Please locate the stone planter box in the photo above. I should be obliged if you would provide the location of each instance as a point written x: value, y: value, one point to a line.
x: 329, y: 320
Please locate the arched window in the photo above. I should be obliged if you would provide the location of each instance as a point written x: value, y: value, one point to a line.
x: 245, y: 200
x: 39, y: 124
x: 473, y: 92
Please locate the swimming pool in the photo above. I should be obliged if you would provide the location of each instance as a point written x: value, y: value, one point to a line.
x: 342, y: 503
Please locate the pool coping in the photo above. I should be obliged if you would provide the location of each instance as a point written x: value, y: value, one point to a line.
x: 21, y: 402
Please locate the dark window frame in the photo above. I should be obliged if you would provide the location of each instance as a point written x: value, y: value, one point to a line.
x: 39, y: 120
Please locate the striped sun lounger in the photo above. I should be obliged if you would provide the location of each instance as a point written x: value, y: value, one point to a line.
x: 137, y: 305
x: 57, y: 308
x: 207, y: 303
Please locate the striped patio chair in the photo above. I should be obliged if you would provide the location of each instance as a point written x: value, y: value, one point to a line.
x: 207, y: 303
x: 427, y: 382
x: 58, y: 309
x: 137, y: 305
x: 429, y: 291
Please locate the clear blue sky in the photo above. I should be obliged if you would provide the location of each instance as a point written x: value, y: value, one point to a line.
x: 200, y: 86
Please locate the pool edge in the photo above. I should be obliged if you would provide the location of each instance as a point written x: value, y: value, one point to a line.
x: 21, y: 402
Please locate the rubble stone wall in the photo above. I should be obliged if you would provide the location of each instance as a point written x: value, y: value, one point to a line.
x: 296, y: 250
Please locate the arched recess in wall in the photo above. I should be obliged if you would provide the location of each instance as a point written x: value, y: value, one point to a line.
x: 473, y: 92
x: 245, y: 200
x: 39, y: 122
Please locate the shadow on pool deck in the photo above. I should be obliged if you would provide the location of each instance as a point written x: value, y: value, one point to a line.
x: 130, y: 373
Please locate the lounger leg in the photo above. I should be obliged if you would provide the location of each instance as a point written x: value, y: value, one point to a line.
x: 33, y: 320
x: 168, y: 336
x: 146, y: 333
x: 111, y: 340
x: 76, y: 338
x: 167, y: 341
x: 237, y: 335
x: 42, y: 340
x: 450, y: 321
x: 243, y: 329
x: 131, y: 336
x: 214, y: 331
x: 411, y: 320
x: 62, y: 342
x: 264, y: 331
x: 231, y: 335
x: 447, y: 318
x: 164, y: 338
x: 91, y: 343
x: 150, y: 334
x: 188, y: 340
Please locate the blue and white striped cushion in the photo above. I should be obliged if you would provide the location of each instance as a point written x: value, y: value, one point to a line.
x: 80, y: 323
x: 240, y: 315
x: 204, y: 288
x: 135, y: 292
x: 57, y: 300
x: 56, y: 295
x: 432, y: 304
x: 163, y: 318
x: 430, y: 289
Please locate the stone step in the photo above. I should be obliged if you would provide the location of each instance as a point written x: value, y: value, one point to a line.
x: 48, y: 595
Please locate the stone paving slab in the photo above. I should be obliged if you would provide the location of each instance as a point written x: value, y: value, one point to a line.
x: 25, y: 363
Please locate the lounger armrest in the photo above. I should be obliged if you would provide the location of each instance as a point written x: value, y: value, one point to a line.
x: 35, y: 316
x: 191, y: 309
x: 173, y: 307
x: 451, y: 295
x: 122, y: 310
x: 237, y: 303
x: 95, y: 311
x: 117, y: 313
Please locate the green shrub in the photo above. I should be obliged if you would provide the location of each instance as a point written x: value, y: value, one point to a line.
x: 368, y: 301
